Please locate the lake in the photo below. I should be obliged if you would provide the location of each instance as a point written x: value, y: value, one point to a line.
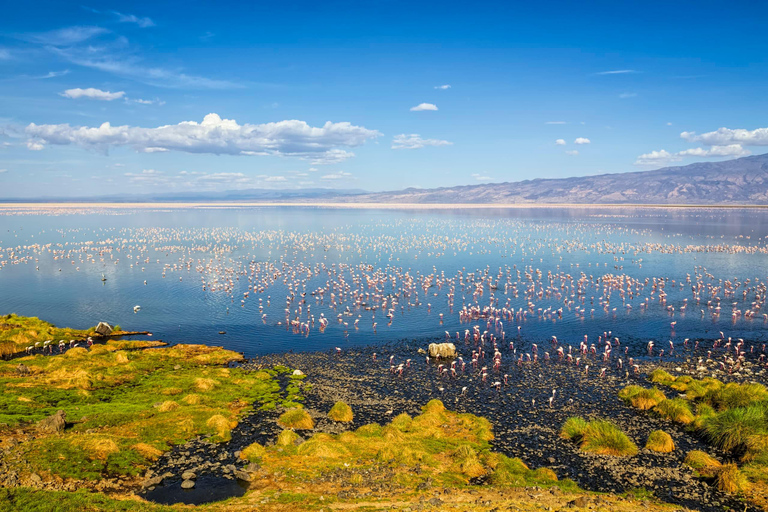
x: 270, y: 278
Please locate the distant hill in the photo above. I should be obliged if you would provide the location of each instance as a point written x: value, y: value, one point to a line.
x: 739, y: 181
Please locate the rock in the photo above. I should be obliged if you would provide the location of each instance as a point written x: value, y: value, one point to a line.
x: 252, y: 467
x: 188, y: 475
x: 152, y: 482
x: 580, y: 502
x: 188, y: 484
x: 242, y: 475
x: 22, y: 369
x: 442, y: 350
x: 35, y: 479
x: 104, y: 329
x: 52, y: 424
x: 297, y: 373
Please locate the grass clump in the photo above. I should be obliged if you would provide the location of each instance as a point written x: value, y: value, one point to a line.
x: 734, y: 395
x: 702, y: 462
x: 598, y: 436
x: 676, y: 410
x: 341, y: 412
x: 742, y: 431
x: 573, y: 429
x: 298, y: 419
x: 660, y: 376
x: 646, y: 399
x: 253, y: 452
x: 730, y: 479
x: 660, y: 442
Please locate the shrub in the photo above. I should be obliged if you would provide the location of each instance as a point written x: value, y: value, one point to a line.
x: 341, y: 412
x: 296, y: 418
x: 659, y: 441
x: 676, y: 410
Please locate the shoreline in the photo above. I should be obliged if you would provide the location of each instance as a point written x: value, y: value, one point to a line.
x: 6, y: 206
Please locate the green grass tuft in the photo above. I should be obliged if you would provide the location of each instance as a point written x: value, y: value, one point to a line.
x: 341, y: 412
x: 660, y: 442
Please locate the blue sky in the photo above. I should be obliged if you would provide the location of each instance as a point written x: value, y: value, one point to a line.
x: 377, y: 95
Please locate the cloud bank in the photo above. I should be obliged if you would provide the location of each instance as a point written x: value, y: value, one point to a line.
x: 414, y: 141
x: 93, y: 94
x: 213, y: 135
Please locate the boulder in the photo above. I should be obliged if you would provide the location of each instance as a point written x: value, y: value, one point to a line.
x: 187, y: 484
x: 297, y: 373
x: 442, y: 350
x: 242, y: 475
x: 104, y: 329
x: 52, y: 424
x: 188, y: 475
x: 152, y: 482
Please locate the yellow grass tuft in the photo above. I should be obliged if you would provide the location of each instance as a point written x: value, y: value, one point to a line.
x: 172, y: 391
x: 221, y: 425
x: 121, y: 357
x: 287, y: 438
x: 661, y: 442
x: 545, y: 474
x: 147, y: 451
x: 433, y: 407
x: 204, y: 384
x: 401, y: 422
x: 76, y: 352
x: 647, y: 399
x: 296, y: 418
x: 253, y: 452
x: 191, y: 399
x: 168, y: 405
x: 341, y: 412
x: 100, y: 448
x: 730, y: 479
x: 702, y: 462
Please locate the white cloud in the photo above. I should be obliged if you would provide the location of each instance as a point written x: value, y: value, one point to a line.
x: 480, y: 177
x: 65, y: 36
x: 727, y: 136
x: 91, y: 93
x: 618, y: 72
x: 657, y: 158
x: 3, y: 171
x: 155, y: 101
x: 560, y: 142
x: 313, y: 169
x: 582, y: 140
x: 414, y: 141
x: 626, y: 95
x: 443, y: 87
x: 423, y: 106
x: 336, y: 176
x: 130, y: 18
x: 34, y: 146
x: 669, y: 123
x: 214, y: 135
x: 276, y: 179
x: 715, y: 151
x: 572, y: 152
x: 555, y: 122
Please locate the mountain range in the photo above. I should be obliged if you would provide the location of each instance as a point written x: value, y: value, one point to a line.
x: 742, y: 181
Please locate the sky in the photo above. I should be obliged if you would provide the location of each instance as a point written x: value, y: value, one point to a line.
x: 145, y: 97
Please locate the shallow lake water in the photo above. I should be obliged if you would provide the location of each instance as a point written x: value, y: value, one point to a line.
x: 266, y: 279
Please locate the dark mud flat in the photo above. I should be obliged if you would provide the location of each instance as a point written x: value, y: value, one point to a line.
x: 524, y: 424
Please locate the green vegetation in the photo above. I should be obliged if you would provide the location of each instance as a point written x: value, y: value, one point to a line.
x: 642, y: 398
x: 19, y: 332
x: 676, y: 409
x: 341, y: 412
x: 297, y: 419
x: 660, y: 442
x: 125, y: 407
x: 732, y: 417
x: 598, y: 436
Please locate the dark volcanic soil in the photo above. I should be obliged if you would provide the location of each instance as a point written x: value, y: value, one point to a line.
x: 525, y: 425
